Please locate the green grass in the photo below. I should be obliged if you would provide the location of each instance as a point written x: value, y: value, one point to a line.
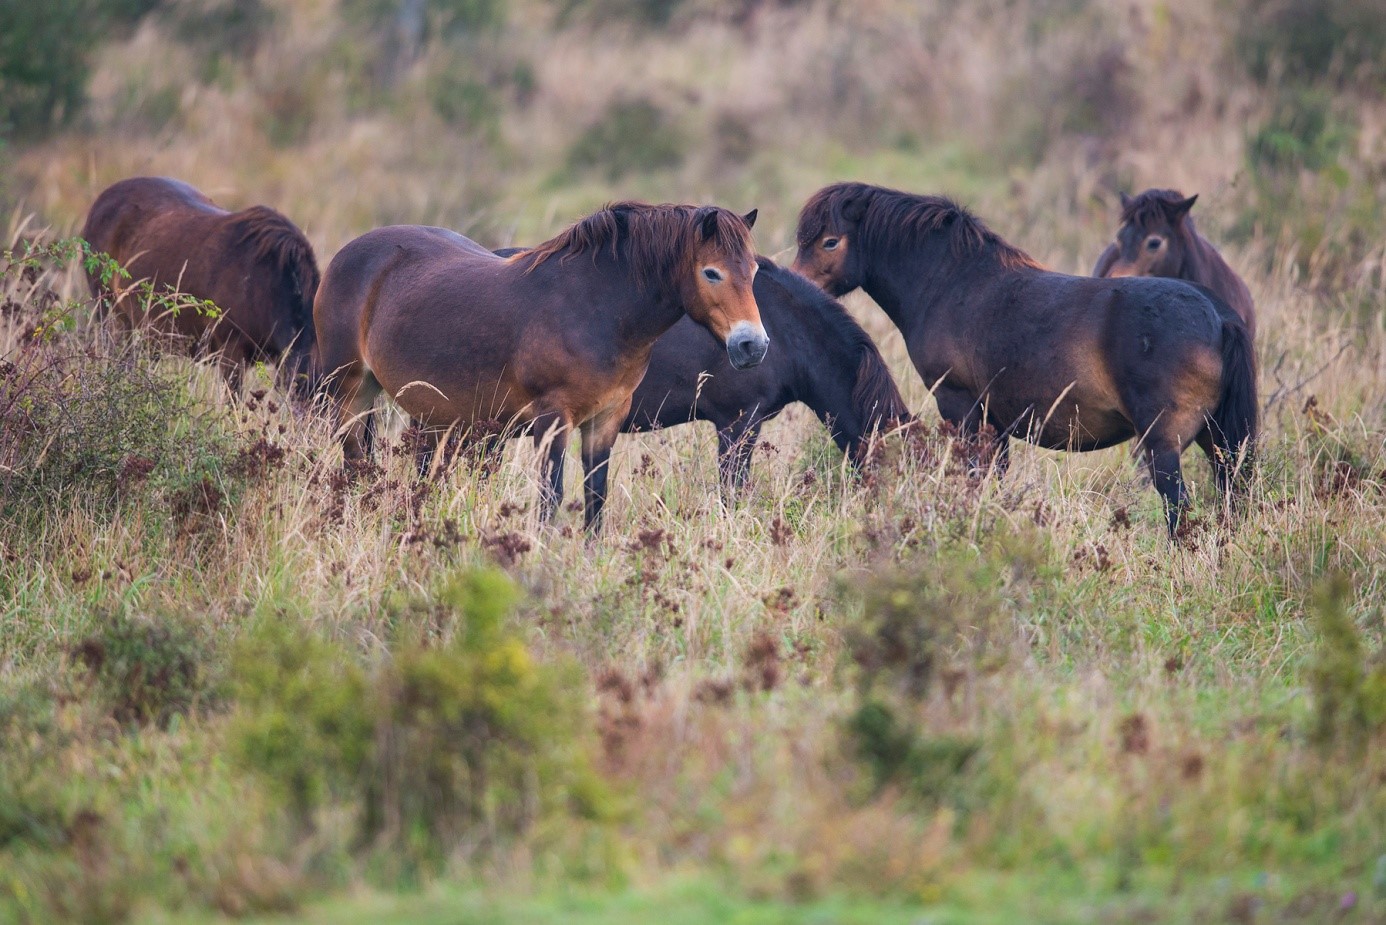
x: 1053, y: 898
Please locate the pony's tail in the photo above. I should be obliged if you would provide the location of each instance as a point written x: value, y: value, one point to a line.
x: 1235, y: 422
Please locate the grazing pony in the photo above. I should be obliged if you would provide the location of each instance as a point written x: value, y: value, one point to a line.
x: 546, y: 340
x: 1158, y: 238
x: 822, y: 358
x: 255, y: 265
x: 1066, y: 362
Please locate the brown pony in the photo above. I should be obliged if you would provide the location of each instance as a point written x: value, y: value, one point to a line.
x: 1066, y: 362
x: 255, y: 265
x: 1158, y: 238
x: 547, y: 340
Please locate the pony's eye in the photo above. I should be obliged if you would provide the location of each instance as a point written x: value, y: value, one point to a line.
x: 1152, y: 244
x: 713, y: 274
x: 830, y: 244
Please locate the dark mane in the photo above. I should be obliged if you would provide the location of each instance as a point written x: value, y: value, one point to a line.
x: 1151, y: 206
x: 272, y: 239
x: 875, y: 396
x: 658, y: 241
x: 892, y: 219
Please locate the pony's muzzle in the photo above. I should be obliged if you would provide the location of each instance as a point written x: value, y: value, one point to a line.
x: 747, y: 344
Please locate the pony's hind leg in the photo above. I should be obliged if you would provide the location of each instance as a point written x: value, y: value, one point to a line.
x: 1162, y: 459
x: 356, y: 391
x: 1226, y: 471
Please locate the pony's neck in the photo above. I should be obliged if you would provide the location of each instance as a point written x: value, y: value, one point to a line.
x: 641, y: 314
x: 825, y: 367
x: 907, y: 282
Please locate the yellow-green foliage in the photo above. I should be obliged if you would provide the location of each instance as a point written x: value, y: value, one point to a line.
x: 454, y: 743
x: 1347, y: 678
x: 930, y: 622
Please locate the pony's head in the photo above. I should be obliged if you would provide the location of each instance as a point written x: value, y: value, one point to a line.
x: 721, y: 296
x: 700, y: 257
x: 1156, y: 231
x: 828, y: 234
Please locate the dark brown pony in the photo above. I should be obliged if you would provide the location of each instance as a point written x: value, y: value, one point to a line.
x: 822, y: 358
x: 1158, y: 238
x: 547, y: 340
x: 1066, y: 362
x: 255, y: 264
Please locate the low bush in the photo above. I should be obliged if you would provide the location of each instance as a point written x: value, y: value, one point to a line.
x: 148, y: 669
x: 89, y: 422
x: 1348, y: 680
x: 931, y: 627
x: 455, y: 746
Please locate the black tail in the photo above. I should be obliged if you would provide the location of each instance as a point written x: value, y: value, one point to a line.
x: 1235, y: 422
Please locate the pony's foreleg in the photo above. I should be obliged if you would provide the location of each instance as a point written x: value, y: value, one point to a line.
x: 965, y: 412
x: 550, y: 438
x: 598, y: 437
x: 736, y: 445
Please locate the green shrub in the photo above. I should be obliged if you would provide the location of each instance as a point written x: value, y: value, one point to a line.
x: 1303, y: 130
x: 147, y: 670
x: 463, y: 743
x: 896, y: 751
x: 936, y: 622
x: 85, y: 422
x: 1348, y: 682
x: 45, y: 51
x: 1306, y: 41
x: 302, y: 719
x: 632, y: 136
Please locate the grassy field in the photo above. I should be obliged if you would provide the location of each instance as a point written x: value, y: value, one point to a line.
x: 236, y: 684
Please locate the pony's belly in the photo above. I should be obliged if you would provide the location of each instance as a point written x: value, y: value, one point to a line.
x: 444, y: 400
x: 1083, y: 431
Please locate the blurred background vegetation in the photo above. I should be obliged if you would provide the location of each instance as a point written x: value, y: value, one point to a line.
x: 505, y: 120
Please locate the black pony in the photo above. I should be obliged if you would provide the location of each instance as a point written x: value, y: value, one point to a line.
x: 1066, y: 362
x: 821, y: 358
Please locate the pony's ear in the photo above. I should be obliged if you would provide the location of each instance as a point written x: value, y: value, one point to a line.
x: 709, y: 224
x: 622, y: 219
x: 853, y: 209
x: 1125, y: 201
x: 750, y: 218
x: 1180, y: 209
